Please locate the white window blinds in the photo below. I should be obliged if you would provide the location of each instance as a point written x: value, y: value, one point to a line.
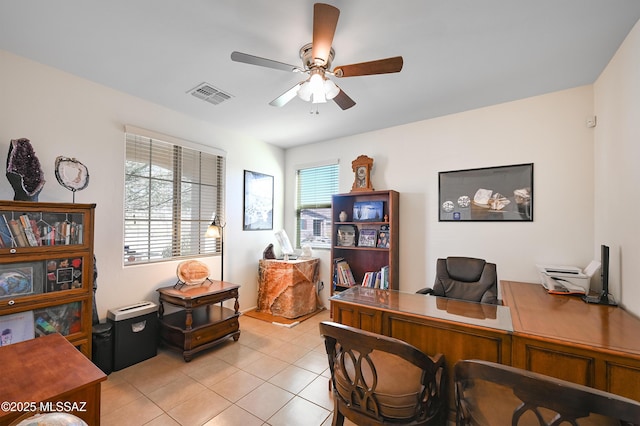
x: 172, y: 193
x: 315, y: 186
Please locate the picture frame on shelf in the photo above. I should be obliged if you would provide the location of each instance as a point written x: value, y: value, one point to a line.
x: 367, y: 238
x: 20, y: 279
x: 63, y: 274
x: 346, y: 236
x: 489, y: 194
x: 368, y: 211
x: 258, y: 201
x: 383, y: 237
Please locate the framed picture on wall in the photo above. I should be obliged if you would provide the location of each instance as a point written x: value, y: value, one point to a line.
x: 258, y: 201
x: 503, y: 193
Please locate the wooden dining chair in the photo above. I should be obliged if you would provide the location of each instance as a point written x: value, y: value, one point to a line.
x: 489, y: 394
x: 379, y: 380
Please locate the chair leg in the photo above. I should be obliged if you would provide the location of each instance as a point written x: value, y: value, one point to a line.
x: 338, y: 418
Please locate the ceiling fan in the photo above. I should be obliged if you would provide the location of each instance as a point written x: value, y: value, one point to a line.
x: 316, y: 58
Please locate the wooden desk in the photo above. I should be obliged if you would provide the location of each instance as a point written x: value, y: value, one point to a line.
x: 50, y: 369
x: 457, y: 329
x: 199, y: 325
x: 561, y: 336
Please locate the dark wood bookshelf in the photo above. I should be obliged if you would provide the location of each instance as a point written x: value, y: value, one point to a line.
x: 366, y: 259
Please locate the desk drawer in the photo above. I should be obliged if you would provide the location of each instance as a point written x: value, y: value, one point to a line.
x: 213, y: 332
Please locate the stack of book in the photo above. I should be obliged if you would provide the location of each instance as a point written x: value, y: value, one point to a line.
x: 342, y: 275
x: 24, y: 231
x: 377, y: 279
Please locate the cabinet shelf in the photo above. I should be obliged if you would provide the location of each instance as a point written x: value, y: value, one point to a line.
x: 202, y: 317
x: 360, y: 248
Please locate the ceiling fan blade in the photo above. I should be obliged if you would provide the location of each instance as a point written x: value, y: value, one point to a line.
x: 325, y: 20
x: 343, y: 100
x: 283, y: 99
x: 380, y: 66
x: 256, y: 60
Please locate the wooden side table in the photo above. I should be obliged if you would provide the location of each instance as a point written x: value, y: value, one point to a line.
x: 49, y: 374
x: 200, y: 324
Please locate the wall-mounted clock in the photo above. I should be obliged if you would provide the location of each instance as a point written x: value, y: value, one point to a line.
x: 361, y: 166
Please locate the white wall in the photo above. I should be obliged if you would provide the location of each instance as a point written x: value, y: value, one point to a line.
x: 69, y: 116
x: 65, y: 115
x: 617, y: 175
x: 549, y: 131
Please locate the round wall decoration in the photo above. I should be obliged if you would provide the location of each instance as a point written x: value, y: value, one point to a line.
x: 71, y: 174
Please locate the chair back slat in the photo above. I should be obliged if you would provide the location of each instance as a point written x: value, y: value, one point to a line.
x: 380, y: 380
x: 488, y: 393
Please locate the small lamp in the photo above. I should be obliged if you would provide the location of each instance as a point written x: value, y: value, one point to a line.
x: 216, y: 230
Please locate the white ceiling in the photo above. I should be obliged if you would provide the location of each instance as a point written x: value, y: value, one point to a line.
x: 458, y: 54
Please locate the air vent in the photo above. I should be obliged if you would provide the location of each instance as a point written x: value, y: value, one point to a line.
x: 210, y: 94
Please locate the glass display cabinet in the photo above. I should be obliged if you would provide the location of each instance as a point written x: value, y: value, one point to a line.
x: 46, y: 271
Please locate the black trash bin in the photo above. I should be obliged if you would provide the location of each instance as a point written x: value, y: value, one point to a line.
x: 102, y: 347
x: 135, y: 333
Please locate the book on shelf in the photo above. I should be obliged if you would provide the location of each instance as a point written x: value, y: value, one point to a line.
x: 377, y: 279
x: 28, y: 225
x: 5, y: 233
x: 18, y: 233
x: 23, y: 231
x: 343, y: 276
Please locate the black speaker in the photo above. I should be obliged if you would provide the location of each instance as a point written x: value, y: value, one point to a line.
x: 604, y: 298
x: 604, y: 268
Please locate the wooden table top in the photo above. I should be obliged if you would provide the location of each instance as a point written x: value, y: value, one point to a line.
x: 45, y: 367
x: 200, y: 290
x: 436, y: 308
x: 567, y: 318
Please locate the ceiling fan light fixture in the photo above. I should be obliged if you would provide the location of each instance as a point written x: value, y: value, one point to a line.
x: 304, y: 92
x: 330, y: 89
x: 316, y: 84
x: 317, y: 88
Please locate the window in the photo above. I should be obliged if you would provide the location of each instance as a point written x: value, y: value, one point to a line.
x: 315, y: 186
x: 172, y: 193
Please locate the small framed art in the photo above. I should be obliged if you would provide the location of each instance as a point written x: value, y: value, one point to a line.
x: 367, y: 238
x: 368, y: 211
x: 20, y: 279
x: 258, y: 201
x: 383, y: 237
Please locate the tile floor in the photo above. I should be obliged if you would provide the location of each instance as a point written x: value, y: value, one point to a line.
x: 273, y: 375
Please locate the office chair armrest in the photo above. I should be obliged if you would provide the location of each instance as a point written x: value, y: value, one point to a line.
x: 425, y: 290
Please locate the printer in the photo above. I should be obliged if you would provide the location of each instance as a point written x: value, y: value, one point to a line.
x: 570, y: 274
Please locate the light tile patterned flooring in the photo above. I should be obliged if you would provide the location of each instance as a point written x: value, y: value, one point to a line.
x: 273, y: 375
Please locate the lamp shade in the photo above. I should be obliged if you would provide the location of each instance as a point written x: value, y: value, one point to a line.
x: 330, y: 89
x: 213, y: 231
x: 317, y: 88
